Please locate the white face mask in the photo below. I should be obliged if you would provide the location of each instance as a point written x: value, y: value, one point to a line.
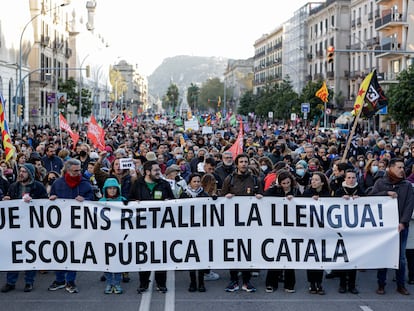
x: 179, y: 156
x: 361, y: 163
x: 263, y: 167
x: 374, y: 169
x: 300, y: 172
x: 406, y: 154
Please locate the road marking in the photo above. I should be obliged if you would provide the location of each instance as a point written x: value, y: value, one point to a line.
x: 170, y: 295
x: 147, y: 295
x: 365, y: 308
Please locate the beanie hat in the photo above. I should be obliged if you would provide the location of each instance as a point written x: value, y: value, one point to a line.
x: 30, y: 169
x: 303, y: 163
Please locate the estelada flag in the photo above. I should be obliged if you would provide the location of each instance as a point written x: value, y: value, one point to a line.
x: 359, y: 101
x: 96, y: 134
x: 65, y: 126
x: 374, y: 99
x: 237, y: 147
x: 323, y: 93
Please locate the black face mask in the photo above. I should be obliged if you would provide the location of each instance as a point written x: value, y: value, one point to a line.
x: 177, y: 178
x: 82, y: 153
x: 201, y: 158
x: 51, y: 181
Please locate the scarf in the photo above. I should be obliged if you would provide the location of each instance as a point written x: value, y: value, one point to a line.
x: 193, y: 192
x: 393, y: 178
x: 72, y: 181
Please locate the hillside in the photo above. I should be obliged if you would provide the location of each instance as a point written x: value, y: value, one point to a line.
x: 184, y: 70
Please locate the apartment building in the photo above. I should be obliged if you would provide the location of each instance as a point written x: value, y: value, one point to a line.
x: 238, y: 78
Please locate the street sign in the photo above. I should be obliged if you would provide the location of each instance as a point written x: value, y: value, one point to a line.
x: 293, y: 117
x: 270, y: 114
x: 305, y: 107
x: 383, y: 110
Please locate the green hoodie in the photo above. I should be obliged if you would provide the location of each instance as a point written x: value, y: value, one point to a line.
x: 112, y: 182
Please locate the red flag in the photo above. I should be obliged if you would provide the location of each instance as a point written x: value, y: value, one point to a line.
x: 237, y: 147
x: 65, y: 126
x: 127, y: 119
x: 96, y: 134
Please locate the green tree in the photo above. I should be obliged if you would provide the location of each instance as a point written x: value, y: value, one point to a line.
x: 401, y: 100
x: 70, y: 88
x: 247, y: 103
x: 170, y: 99
x: 316, y: 104
x: 210, y: 92
x: 193, y: 92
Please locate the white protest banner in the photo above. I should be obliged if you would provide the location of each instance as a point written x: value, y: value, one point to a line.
x: 207, y: 130
x: 241, y: 232
x: 126, y: 163
x: 191, y: 125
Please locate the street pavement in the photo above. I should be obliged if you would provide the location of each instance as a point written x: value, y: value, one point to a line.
x: 91, y: 295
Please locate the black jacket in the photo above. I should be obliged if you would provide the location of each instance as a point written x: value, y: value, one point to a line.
x: 37, y: 190
x: 141, y: 192
x: 405, y: 198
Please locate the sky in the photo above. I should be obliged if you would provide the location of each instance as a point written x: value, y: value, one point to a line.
x: 148, y: 31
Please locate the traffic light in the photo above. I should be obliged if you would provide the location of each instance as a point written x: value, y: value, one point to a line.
x: 330, y: 54
x: 88, y: 71
x: 19, y: 110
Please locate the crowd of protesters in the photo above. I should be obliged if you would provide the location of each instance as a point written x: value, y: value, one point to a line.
x: 284, y: 161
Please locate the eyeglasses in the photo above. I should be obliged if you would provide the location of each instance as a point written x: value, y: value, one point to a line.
x: 75, y: 171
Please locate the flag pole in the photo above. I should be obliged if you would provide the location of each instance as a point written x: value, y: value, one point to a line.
x: 351, y: 135
x: 60, y: 132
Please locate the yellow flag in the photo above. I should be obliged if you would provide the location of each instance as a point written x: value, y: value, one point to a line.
x: 323, y: 93
x: 359, y: 101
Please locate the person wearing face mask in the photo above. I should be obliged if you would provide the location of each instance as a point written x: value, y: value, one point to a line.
x: 201, y: 155
x: 302, y: 175
x: 178, y: 153
x: 83, y: 156
x: 177, y: 184
x: 368, y: 179
x: 49, y: 180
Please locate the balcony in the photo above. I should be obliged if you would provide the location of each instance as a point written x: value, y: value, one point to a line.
x: 370, y: 16
x: 358, y: 21
x: 318, y: 76
x: 389, y: 49
x: 353, y: 24
x: 44, y: 40
x: 68, y: 53
x: 309, y: 56
x: 389, y: 21
x: 330, y: 74
x: 372, y: 42
x: 320, y: 54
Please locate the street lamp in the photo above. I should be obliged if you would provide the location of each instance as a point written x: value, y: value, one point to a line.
x: 42, y: 12
x: 80, y: 89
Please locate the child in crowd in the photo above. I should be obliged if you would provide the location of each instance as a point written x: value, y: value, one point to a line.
x: 112, y: 192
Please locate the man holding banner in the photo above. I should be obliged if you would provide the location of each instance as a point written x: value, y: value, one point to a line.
x: 26, y: 188
x: 241, y: 182
x: 395, y: 185
x: 151, y: 187
x: 72, y: 185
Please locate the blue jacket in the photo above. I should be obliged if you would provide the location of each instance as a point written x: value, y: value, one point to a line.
x: 61, y: 189
x: 52, y: 164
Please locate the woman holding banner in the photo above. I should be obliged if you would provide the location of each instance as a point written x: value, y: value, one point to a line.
x: 286, y: 187
x: 350, y: 188
x: 319, y: 187
x: 195, y: 190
